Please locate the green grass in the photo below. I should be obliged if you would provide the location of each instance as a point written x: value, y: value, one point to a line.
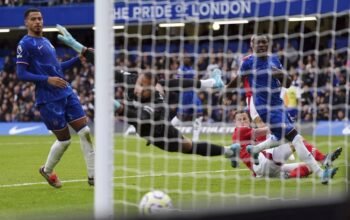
x: 192, y: 182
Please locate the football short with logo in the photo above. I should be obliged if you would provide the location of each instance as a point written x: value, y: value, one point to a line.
x: 163, y: 136
x: 58, y: 113
x: 190, y: 104
x: 277, y: 119
x: 156, y: 131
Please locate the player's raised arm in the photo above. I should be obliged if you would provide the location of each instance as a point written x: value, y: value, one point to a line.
x: 214, y: 81
x: 66, y: 38
x: 282, y: 76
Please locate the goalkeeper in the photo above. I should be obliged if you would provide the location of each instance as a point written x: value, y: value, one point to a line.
x: 145, y: 109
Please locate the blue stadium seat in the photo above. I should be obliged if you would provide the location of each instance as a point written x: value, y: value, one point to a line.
x: 341, y: 42
x: 233, y: 46
x: 160, y: 48
x: 2, y: 59
x: 5, y: 52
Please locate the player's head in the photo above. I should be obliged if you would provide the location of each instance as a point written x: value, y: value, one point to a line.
x: 145, y: 85
x: 260, y: 44
x: 33, y: 20
x: 187, y: 60
x: 242, y: 119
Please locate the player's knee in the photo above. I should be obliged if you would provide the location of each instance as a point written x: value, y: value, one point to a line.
x: 187, y: 146
x: 84, y: 131
x: 64, y: 144
x: 291, y: 135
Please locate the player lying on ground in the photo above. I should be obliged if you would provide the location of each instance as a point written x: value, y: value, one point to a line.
x: 144, y: 106
x: 145, y: 109
x: 265, y: 76
x: 272, y: 162
x: 58, y: 104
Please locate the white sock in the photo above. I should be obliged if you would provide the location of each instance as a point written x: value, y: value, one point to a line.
x: 207, y: 83
x: 282, y: 153
x: 306, y: 156
x: 197, y: 129
x: 270, y: 142
x: 55, y: 154
x: 88, y: 150
x: 176, y: 121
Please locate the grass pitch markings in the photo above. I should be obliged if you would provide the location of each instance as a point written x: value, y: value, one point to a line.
x: 124, y: 177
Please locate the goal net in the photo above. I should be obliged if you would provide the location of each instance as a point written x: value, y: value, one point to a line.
x: 188, y: 39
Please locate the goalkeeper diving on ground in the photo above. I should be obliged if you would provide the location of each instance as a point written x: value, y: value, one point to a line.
x: 144, y: 106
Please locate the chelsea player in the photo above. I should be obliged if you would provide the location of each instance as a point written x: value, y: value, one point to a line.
x: 190, y: 105
x: 265, y: 76
x: 58, y: 104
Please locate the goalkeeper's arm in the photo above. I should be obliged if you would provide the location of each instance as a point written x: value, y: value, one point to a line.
x: 66, y: 38
x: 89, y: 54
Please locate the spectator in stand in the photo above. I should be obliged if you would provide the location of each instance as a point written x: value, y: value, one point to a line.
x: 322, y: 84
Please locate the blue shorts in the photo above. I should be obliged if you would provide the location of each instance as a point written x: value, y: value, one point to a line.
x: 190, y: 104
x: 278, y: 121
x: 58, y: 113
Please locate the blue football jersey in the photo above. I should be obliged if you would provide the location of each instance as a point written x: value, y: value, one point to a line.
x: 186, y: 72
x: 190, y: 103
x: 40, y: 57
x: 266, y: 89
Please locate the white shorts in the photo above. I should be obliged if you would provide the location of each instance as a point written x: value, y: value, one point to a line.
x: 252, y: 110
x: 267, y: 167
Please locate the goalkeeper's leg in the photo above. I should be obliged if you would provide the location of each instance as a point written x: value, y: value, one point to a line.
x: 170, y: 139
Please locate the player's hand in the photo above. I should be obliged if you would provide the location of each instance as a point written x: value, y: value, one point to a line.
x: 118, y: 106
x: 88, y: 54
x: 68, y: 40
x: 282, y: 76
x: 57, y: 82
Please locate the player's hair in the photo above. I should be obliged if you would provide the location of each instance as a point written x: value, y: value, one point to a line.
x: 242, y: 111
x: 29, y: 10
x: 151, y: 76
x: 259, y: 35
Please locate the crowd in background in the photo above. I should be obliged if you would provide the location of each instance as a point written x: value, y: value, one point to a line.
x: 40, y: 2
x: 320, y: 84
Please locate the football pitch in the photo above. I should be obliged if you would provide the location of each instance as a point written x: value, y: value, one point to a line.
x: 189, y: 180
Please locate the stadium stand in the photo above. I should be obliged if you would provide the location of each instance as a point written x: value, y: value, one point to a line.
x: 329, y: 76
x: 41, y: 2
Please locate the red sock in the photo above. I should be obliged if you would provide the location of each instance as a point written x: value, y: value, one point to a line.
x: 299, y: 172
x: 315, y: 152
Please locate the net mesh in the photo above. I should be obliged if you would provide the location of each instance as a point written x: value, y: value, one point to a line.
x: 314, y: 52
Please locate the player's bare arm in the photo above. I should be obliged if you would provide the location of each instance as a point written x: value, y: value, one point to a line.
x: 282, y: 76
x: 259, y: 132
x: 234, y: 83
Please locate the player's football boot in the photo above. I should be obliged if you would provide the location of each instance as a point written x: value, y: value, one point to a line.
x: 91, y: 181
x: 233, y: 154
x: 52, y: 178
x: 253, y: 154
x: 216, y: 75
x: 330, y: 157
x: 328, y: 174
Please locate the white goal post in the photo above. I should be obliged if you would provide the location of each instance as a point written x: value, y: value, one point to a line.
x: 104, y: 117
